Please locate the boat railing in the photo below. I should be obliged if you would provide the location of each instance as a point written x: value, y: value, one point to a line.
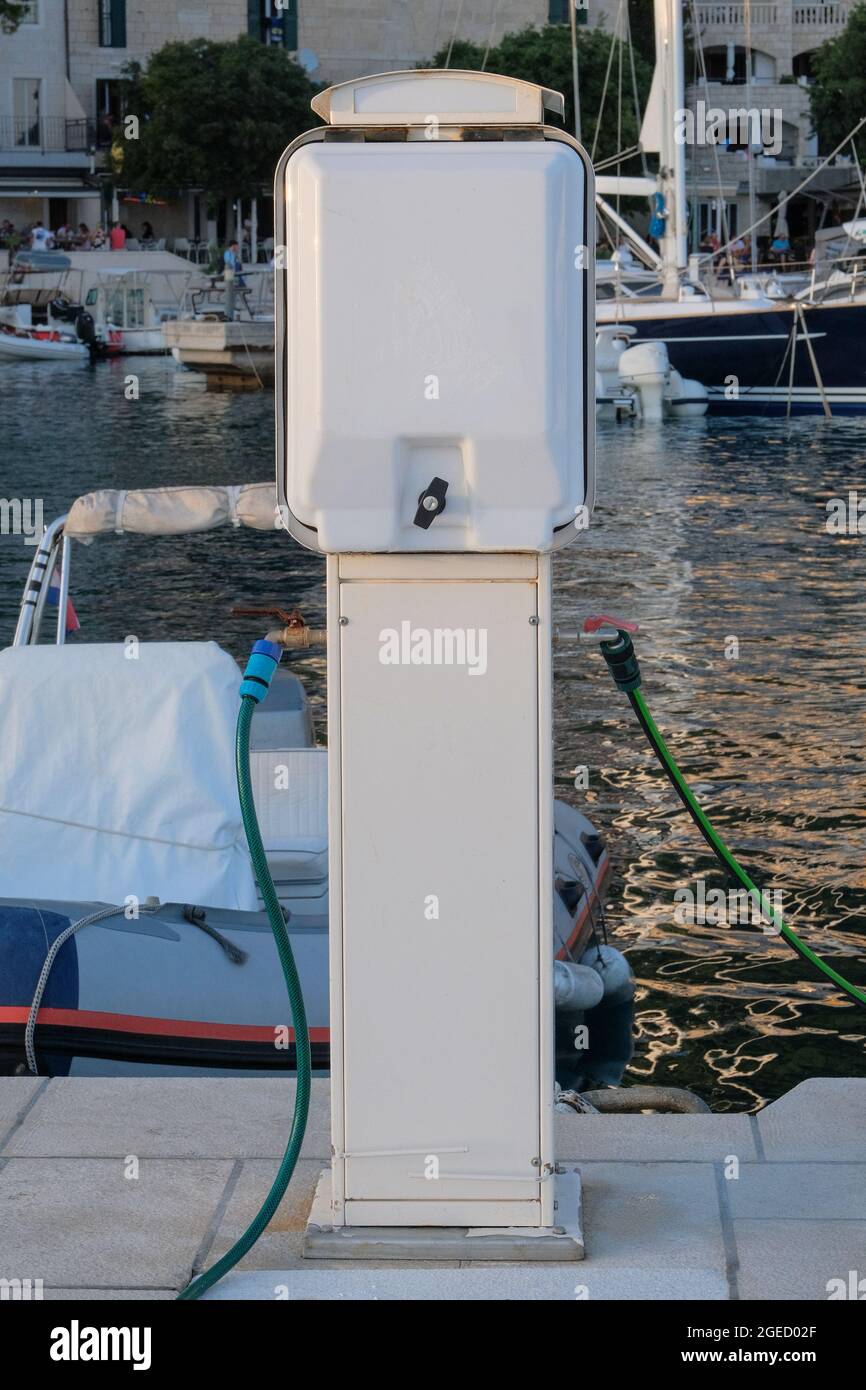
x: 53, y: 545
x: 164, y: 511
x: 253, y: 299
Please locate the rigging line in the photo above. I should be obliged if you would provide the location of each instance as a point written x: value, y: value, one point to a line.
x: 793, y: 346
x: 616, y: 158
x: 435, y: 48
x: 604, y: 88
x: 623, y: 8
x: 747, y: 16
x: 454, y: 33
x: 494, y: 12
x: 783, y: 202
x: 723, y: 206
x: 637, y: 111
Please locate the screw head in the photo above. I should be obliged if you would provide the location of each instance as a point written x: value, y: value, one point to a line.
x: 430, y: 504
x: 533, y: 621
x: 344, y: 622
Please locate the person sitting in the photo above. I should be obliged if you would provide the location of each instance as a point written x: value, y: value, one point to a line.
x: 146, y: 233
x: 82, y: 239
x: 117, y: 237
x: 780, y: 249
x: 97, y: 240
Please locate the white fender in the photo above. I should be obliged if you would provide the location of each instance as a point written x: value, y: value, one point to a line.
x: 613, y: 970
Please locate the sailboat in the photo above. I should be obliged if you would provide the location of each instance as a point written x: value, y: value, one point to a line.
x: 756, y: 353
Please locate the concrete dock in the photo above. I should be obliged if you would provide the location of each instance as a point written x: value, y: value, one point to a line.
x: 121, y: 1188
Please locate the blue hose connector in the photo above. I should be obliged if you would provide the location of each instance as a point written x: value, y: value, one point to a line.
x: 263, y: 662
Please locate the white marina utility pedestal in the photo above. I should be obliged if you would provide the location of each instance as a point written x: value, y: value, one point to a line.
x: 435, y: 421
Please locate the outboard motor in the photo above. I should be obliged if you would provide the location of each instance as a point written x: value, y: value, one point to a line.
x: 85, y: 328
x: 63, y: 309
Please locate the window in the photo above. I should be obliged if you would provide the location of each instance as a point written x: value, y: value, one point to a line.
x: 274, y: 24
x: 710, y: 219
x: 112, y: 23
x: 109, y: 110
x: 728, y: 64
x: 558, y: 11
x: 26, y: 100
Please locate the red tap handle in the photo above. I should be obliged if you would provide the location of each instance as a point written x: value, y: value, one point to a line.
x: 604, y: 620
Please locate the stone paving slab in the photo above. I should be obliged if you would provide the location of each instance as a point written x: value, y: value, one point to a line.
x: 76, y: 1295
x: 672, y: 1138
x: 656, y: 1216
x: 805, y: 1191
x: 80, y: 1221
x: 520, y: 1283
x: 280, y: 1245
x: 174, y: 1117
x: 797, y: 1259
x: 823, y: 1118
x: 661, y: 1220
x: 16, y: 1093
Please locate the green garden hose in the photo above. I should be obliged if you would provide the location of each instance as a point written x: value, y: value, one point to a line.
x: 624, y: 668
x: 257, y: 677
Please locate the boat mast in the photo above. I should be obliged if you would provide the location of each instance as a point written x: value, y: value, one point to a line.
x: 672, y: 157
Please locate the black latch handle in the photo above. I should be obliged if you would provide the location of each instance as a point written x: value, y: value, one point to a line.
x: 431, y: 502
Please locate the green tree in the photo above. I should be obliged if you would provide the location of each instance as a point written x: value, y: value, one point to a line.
x: 215, y: 116
x: 544, y: 56
x: 838, y: 92
x: 10, y: 15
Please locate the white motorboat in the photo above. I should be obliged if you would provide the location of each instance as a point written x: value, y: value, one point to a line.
x: 41, y: 345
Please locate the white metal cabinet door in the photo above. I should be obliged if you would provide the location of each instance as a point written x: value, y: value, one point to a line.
x: 440, y: 1012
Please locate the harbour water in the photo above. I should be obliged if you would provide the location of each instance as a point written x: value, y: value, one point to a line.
x: 712, y: 536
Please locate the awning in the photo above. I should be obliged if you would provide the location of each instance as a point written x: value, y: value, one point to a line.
x: 46, y: 188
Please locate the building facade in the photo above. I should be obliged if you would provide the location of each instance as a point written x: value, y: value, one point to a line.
x: 60, y: 75
x: 758, y: 57
x: 61, y: 70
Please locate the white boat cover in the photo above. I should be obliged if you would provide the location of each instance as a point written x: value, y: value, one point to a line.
x: 117, y: 775
x: 172, y: 511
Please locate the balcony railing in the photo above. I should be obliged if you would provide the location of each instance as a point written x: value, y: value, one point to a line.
x: 47, y: 135
x: 733, y: 16
x: 832, y: 15
x: 829, y: 16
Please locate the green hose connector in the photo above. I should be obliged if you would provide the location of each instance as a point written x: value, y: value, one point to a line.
x: 303, y: 1062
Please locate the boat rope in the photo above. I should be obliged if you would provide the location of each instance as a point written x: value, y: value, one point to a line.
x: 197, y: 917
x: 53, y: 951
x: 799, y: 313
x: 615, y: 36
x: 623, y: 665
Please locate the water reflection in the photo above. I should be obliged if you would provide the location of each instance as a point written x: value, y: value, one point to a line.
x: 711, y: 535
